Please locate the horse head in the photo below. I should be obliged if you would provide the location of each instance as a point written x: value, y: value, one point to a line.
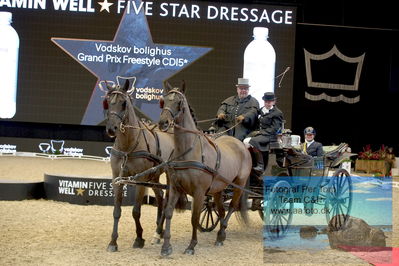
x: 115, y: 105
x: 173, y: 106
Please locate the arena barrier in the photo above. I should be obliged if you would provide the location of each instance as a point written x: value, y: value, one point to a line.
x: 83, y: 190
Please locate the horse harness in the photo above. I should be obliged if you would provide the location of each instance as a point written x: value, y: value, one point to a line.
x: 146, y: 154
x: 183, y: 165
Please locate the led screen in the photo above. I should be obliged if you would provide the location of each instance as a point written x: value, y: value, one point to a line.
x: 67, y: 47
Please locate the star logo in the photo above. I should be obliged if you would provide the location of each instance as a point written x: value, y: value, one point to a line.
x: 79, y: 191
x: 105, y: 5
x: 132, y: 52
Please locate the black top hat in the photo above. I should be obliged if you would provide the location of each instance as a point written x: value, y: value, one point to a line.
x: 269, y: 96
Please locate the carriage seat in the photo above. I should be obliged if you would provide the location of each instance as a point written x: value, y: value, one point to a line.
x: 275, y: 145
x: 336, y: 152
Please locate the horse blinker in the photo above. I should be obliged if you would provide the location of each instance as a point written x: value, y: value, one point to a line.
x: 105, y: 104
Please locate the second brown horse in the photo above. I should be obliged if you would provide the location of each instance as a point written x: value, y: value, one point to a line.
x: 201, y: 167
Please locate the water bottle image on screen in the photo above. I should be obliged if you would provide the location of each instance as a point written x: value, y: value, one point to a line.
x: 9, y: 47
x: 259, y: 64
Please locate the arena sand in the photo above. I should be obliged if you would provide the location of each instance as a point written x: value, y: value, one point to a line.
x: 45, y: 232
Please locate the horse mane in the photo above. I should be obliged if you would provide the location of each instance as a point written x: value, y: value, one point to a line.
x: 192, y: 112
x: 182, y: 90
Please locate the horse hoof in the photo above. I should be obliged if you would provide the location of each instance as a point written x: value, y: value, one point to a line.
x: 166, y: 251
x: 138, y: 243
x: 112, y: 248
x: 155, y: 241
x: 189, y: 251
x: 218, y: 243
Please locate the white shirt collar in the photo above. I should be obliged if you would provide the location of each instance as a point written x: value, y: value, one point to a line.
x: 265, y: 110
x: 309, y: 142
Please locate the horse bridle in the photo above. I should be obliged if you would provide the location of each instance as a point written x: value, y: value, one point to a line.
x: 121, y: 115
x: 175, y: 116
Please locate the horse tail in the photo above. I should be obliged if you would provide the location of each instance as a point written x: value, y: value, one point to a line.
x: 181, y: 204
x: 243, y: 206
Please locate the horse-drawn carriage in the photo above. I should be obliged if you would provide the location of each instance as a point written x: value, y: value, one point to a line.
x: 291, y: 177
x: 201, y: 167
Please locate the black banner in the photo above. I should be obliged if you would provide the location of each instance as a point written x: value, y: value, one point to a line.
x: 84, y: 191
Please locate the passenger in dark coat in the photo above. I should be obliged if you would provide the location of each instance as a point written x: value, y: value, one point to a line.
x: 270, y: 125
x: 239, y: 108
x: 310, y: 146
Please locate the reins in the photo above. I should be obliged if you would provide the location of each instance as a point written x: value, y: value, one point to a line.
x: 216, y: 135
x: 182, y: 165
x: 207, y: 120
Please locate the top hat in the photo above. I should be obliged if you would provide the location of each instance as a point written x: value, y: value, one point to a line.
x: 269, y: 96
x: 243, y: 82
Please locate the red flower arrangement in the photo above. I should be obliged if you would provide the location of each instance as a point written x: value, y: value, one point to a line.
x: 368, y: 154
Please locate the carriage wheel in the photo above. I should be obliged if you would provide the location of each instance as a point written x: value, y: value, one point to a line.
x: 258, y: 205
x: 262, y: 202
x: 338, y: 198
x: 278, y: 214
x: 260, y: 211
x: 209, y: 218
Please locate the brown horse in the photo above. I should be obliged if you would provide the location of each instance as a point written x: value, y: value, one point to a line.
x: 201, y: 167
x: 136, y: 149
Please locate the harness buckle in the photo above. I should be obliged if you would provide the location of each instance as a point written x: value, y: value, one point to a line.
x: 122, y: 127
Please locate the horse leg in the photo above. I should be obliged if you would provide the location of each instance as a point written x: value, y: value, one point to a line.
x: 198, y: 199
x: 136, y: 213
x: 160, y: 216
x: 172, y: 200
x: 218, y: 198
x: 159, y: 231
x: 232, y: 208
x: 113, y: 246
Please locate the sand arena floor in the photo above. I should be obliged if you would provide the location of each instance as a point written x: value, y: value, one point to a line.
x: 44, y: 232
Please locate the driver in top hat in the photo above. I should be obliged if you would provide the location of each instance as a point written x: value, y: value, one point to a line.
x: 270, y: 124
x: 241, y: 108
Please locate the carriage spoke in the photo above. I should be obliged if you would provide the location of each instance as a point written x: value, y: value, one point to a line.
x: 346, y: 189
x: 286, y: 220
x: 202, y: 219
x: 340, y: 179
x: 337, y: 190
x: 280, y: 224
x: 334, y: 211
x: 341, y: 222
x: 208, y: 218
x: 281, y: 227
x: 211, y: 215
x: 274, y: 219
x: 345, y: 198
x: 340, y: 208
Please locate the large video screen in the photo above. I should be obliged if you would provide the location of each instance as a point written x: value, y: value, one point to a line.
x: 67, y: 47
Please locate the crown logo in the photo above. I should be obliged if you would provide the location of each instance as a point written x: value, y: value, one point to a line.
x: 343, y: 73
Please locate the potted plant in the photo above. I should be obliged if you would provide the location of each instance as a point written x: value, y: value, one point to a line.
x: 374, y: 161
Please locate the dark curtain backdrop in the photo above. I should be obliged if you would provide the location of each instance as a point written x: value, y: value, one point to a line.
x: 373, y: 119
